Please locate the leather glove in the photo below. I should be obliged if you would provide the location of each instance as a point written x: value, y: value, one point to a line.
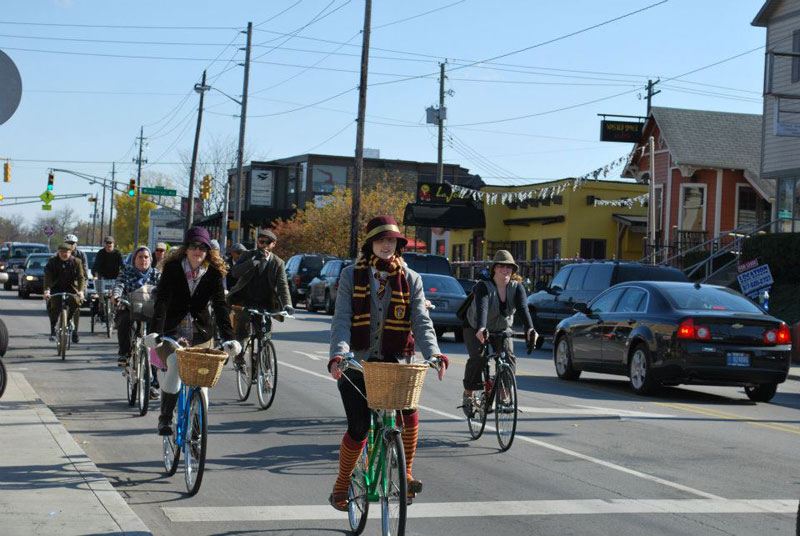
x: 151, y: 340
x: 232, y: 348
x: 289, y: 309
x: 260, y: 254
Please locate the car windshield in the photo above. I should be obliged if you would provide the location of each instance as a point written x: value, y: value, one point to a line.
x: 37, y: 261
x: 691, y: 298
x: 440, y: 284
x: 428, y: 264
x: 90, y: 256
x: 21, y: 252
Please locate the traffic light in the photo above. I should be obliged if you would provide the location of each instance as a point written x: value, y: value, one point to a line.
x: 50, y: 178
x: 7, y: 172
x: 132, y: 187
x: 205, y: 189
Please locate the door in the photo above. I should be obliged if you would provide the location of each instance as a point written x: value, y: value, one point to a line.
x: 587, y: 339
x: 544, y: 301
x: 619, y: 323
x: 564, y: 304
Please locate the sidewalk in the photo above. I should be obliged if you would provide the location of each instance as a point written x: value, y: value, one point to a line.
x: 794, y: 372
x: 48, y: 485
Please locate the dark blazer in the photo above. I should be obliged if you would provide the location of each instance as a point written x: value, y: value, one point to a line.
x: 276, y: 279
x: 174, y: 302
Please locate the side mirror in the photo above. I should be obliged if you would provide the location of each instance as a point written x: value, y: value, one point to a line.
x: 581, y: 307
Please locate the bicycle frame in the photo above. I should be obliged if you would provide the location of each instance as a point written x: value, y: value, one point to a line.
x: 181, y: 420
x: 376, y: 453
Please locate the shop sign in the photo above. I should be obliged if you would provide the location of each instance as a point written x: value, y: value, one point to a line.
x: 622, y: 131
x: 439, y: 194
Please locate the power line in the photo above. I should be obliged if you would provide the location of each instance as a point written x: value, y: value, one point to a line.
x: 338, y: 132
x: 418, y: 15
x: 117, y: 26
x: 277, y: 15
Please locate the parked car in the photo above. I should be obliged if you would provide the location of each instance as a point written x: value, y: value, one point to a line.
x: 31, y: 280
x: 91, y: 254
x: 300, y: 270
x: 583, y: 281
x: 12, y: 258
x: 323, y: 289
x: 670, y: 333
x: 447, y: 295
x: 428, y: 263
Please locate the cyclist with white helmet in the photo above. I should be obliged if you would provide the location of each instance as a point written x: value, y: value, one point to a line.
x: 72, y: 240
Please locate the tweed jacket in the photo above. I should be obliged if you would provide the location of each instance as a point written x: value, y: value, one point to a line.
x: 64, y: 276
x: 174, y: 302
x: 276, y: 279
x: 421, y: 324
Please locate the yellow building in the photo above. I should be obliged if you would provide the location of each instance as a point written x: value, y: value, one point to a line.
x: 566, y: 225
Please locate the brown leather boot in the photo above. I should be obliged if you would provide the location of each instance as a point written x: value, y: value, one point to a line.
x: 168, y: 401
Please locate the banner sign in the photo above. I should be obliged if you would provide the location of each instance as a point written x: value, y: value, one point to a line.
x: 622, y: 131
x: 752, y: 281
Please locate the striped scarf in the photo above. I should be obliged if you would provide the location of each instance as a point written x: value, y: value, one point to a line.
x: 397, y: 339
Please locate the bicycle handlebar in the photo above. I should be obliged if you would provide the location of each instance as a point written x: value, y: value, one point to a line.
x: 166, y: 338
x: 63, y: 294
x: 261, y: 312
x: 349, y: 360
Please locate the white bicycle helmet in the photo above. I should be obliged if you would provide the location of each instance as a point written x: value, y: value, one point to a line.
x: 71, y: 238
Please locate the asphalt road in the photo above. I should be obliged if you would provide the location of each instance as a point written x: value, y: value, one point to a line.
x: 590, y: 458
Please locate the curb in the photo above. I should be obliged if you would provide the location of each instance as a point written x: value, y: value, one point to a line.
x: 95, y: 481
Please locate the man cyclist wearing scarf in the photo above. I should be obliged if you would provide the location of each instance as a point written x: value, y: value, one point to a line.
x: 380, y: 315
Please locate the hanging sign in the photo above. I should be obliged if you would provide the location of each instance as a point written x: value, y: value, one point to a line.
x: 622, y: 131
x: 261, y: 185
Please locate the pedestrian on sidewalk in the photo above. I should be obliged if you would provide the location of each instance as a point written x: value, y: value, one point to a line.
x: 380, y: 315
x: 64, y: 273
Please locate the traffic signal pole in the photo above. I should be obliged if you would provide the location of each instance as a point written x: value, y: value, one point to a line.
x: 138, y: 186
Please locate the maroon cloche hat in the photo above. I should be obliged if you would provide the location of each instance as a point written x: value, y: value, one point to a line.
x: 385, y: 227
x: 197, y: 234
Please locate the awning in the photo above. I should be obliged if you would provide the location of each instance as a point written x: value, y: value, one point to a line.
x: 638, y: 224
x: 447, y: 216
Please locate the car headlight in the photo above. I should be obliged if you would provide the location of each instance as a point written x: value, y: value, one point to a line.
x: 10, y: 270
x: 30, y: 278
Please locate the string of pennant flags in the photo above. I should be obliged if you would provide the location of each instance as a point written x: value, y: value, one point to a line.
x: 627, y: 203
x: 547, y: 192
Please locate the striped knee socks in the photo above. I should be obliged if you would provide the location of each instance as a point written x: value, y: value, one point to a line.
x: 349, y: 451
x: 410, y: 436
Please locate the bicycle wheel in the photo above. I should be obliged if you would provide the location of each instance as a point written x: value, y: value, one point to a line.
x: 267, y: 378
x: 476, y: 422
x: 3, y: 379
x: 393, y: 488
x: 194, y: 445
x: 63, y: 336
x: 143, y: 377
x: 109, y: 313
x: 132, y: 378
x: 244, y: 372
x: 358, y: 505
x: 171, y: 453
x: 505, y: 404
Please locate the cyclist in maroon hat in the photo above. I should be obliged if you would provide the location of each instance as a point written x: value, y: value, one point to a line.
x: 380, y: 315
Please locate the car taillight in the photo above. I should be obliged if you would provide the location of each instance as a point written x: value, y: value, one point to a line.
x: 297, y: 280
x: 691, y: 331
x: 782, y: 335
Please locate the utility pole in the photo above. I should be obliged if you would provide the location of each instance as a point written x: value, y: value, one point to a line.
x: 103, y: 213
x: 138, y: 186
x: 441, y: 116
x: 94, y: 218
x: 651, y: 93
x: 224, y: 234
x: 113, y: 189
x: 651, y: 195
x: 201, y: 88
x: 240, y: 153
x: 362, y: 108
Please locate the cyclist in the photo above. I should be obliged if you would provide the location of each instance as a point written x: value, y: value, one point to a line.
x: 140, y: 272
x: 236, y: 253
x: 261, y: 284
x: 72, y: 240
x: 380, y: 314
x: 158, y: 253
x: 495, y: 302
x: 64, y: 273
x: 106, y: 266
x: 191, y: 278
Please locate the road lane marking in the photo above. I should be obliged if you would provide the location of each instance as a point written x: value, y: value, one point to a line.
x: 190, y: 514
x: 594, y: 410
x: 310, y: 356
x: 781, y: 427
x: 562, y: 450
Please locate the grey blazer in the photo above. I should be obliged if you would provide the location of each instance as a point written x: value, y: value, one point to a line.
x: 421, y: 325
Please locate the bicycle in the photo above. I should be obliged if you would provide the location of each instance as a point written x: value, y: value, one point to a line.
x: 189, y: 433
x: 499, y: 396
x: 261, y: 369
x: 380, y: 473
x: 107, y: 310
x: 64, y: 326
x: 138, y: 378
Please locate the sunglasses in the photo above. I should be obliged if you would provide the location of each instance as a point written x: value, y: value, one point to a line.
x: 107, y: 243
x: 265, y: 242
x: 160, y: 250
x: 201, y: 247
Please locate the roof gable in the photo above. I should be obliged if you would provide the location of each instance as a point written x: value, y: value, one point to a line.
x: 765, y: 13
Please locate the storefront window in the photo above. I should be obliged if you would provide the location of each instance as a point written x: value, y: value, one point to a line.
x: 327, y: 178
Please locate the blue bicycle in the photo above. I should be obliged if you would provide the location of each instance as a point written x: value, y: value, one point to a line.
x: 190, y: 433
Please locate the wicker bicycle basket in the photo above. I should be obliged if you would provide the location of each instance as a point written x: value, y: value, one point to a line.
x: 393, y: 385
x: 200, y: 367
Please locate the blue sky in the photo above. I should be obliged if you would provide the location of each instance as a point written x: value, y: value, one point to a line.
x: 85, y: 99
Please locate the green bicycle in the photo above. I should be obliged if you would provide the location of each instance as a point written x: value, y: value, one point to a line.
x: 380, y: 474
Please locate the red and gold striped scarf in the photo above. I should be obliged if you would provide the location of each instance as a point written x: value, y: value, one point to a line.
x: 398, y: 342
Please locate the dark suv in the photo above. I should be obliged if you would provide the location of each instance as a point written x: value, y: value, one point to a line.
x: 12, y: 259
x: 300, y: 270
x: 428, y: 263
x: 579, y: 283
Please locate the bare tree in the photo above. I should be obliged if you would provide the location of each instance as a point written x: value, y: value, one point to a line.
x: 12, y: 229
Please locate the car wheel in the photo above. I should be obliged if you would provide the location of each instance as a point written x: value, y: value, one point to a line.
x: 562, y: 357
x: 329, y: 307
x: 640, y: 371
x: 7, y: 285
x: 762, y: 392
x: 459, y: 334
x: 310, y: 307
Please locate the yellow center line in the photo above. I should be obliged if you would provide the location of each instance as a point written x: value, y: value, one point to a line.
x: 780, y: 427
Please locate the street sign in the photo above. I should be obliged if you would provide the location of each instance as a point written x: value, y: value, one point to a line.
x: 46, y: 197
x: 47, y: 207
x: 49, y: 231
x: 159, y: 190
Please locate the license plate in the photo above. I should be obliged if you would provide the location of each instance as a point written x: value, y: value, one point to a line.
x: 738, y: 359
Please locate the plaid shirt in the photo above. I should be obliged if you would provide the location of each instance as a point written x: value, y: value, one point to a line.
x: 128, y: 280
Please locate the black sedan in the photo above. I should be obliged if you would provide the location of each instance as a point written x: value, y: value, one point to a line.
x: 31, y: 278
x: 669, y: 333
x: 446, y: 295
